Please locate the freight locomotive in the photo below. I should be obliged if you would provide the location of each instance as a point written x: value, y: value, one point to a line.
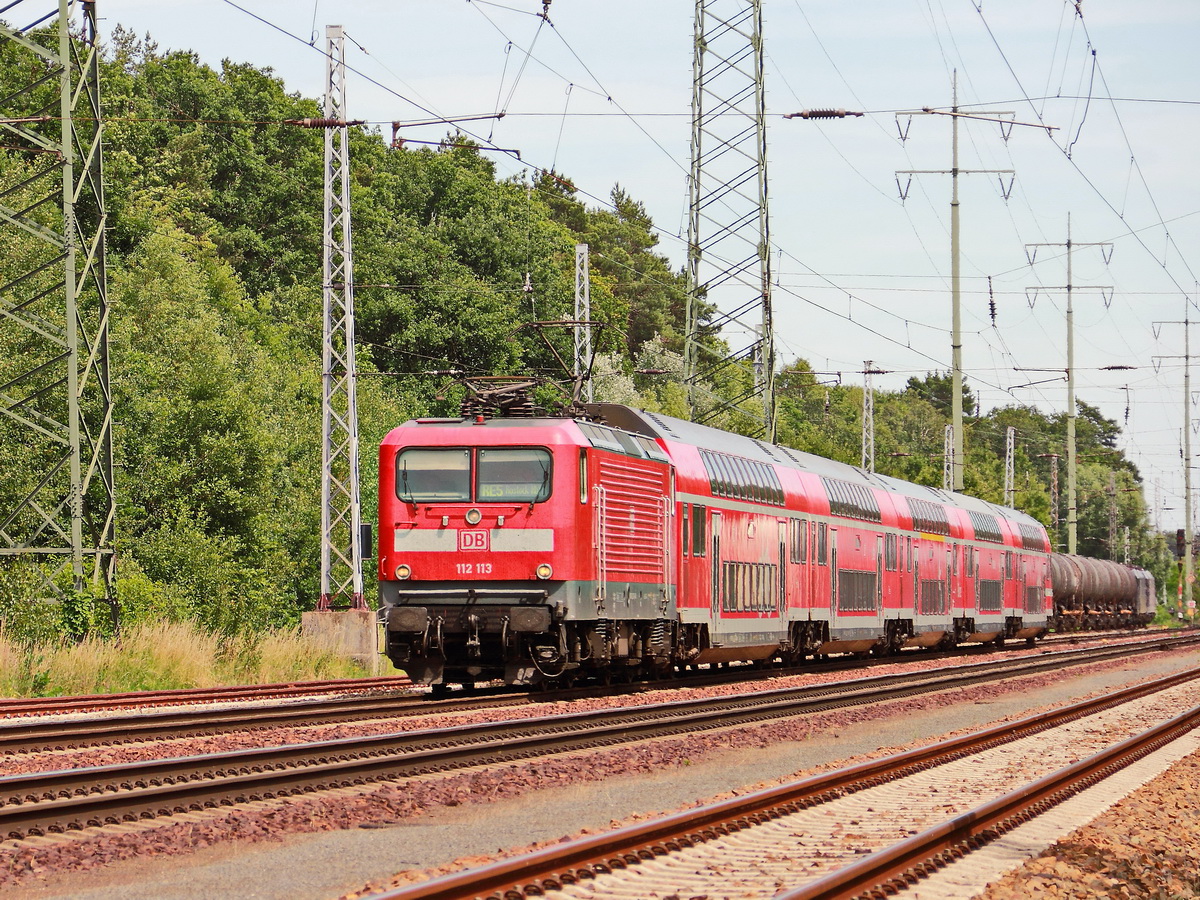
x: 621, y: 542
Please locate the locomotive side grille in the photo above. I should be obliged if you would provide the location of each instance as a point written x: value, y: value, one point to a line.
x: 856, y: 591
x: 990, y: 596
x: 1035, y: 599
x: 633, y: 521
x: 933, y: 598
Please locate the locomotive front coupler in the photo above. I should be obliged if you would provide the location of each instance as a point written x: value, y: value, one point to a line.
x: 473, y: 636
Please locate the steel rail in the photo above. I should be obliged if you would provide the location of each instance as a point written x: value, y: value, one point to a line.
x: 26, y: 737
x: 55, y: 801
x: 31, y: 737
x: 13, y: 707
x: 535, y: 873
x: 38, y: 706
x: 903, y: 864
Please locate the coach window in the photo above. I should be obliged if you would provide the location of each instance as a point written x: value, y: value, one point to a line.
x: 724, y: 485
x: 746, y: 487
x: 761, y: 483
x: 513, y: 474
x: 737, y: 479
x: 687, y: 531
x: 758, y: 482
x: 752, y: 489
x: 822, y: 545
x: 428, y: 475
x: 742, y: 488
x: 698, y: 530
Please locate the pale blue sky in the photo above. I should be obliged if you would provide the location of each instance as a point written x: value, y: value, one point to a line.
x: 836, y: 214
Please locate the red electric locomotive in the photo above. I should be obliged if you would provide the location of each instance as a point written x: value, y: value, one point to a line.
x: 541, y: 549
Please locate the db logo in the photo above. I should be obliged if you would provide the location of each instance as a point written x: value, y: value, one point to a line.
x: 473, y: 540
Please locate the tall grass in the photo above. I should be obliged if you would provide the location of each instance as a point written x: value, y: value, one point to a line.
x: 164, y: 656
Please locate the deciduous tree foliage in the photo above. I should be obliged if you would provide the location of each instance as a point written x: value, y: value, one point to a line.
x: 215, y: 264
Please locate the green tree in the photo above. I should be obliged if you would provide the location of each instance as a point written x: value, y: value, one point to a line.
x: 938, y: 388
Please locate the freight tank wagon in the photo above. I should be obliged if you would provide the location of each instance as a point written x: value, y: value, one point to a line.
x: 1095, y: 594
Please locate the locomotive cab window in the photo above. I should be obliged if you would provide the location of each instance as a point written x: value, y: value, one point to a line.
x: 513, y: 474
x: 428, y: 475
x: 501, y: 475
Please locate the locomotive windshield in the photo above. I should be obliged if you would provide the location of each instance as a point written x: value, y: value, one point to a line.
x: 434, y: 476
x: 501, y: 475
x: 520, y: 475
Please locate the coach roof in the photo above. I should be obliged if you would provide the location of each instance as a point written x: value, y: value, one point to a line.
x: 670, y: 429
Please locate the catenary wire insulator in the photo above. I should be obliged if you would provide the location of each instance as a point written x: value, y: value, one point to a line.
x: 822, y: 114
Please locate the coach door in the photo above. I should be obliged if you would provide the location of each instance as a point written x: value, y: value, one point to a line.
x: 950, y: 567
x: 783, y: 567
x: 716, y: 564
x: 833, y: 572
x: 879, y: 576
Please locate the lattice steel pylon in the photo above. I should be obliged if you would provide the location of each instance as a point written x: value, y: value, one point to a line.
x: 1010, y: 481
x: 341, y: 506
x: 868, y: 439
x: 57, y: 507
x: 582, y: 328
x: 728, y: 237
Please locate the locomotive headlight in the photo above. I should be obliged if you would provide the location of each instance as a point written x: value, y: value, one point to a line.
x: 403, y: 572
x: 544, y: 571
x: 474, y: 516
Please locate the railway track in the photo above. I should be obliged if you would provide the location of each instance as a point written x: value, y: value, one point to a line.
x: 13, y: 707
x: 49, y: 802
x: 42, y: 706
x: 381, y: 701
x: 869, y: 830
